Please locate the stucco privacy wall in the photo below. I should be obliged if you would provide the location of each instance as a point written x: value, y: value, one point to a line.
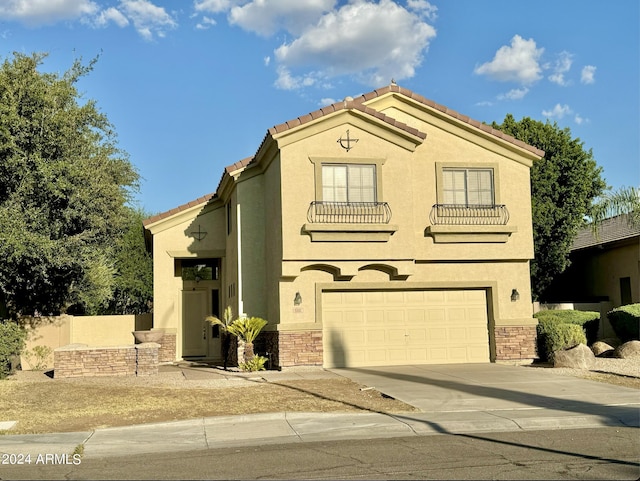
x: 57, y: 331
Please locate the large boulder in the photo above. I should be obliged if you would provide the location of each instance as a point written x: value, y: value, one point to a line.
x: 628, y: 350
x: 578, y: 357
x: 601, y: 348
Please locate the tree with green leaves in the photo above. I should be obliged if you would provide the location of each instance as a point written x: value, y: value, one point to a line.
x: 133, y: 279
x: 64, y: 186
x: 564, y: 184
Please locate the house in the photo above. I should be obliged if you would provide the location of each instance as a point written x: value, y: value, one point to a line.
x: 605, y: 266
x: 385, y: 229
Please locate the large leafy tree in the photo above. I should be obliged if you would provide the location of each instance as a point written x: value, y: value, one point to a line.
x: 564, y: 184
x: 133, y: 282
x: 64, y: 186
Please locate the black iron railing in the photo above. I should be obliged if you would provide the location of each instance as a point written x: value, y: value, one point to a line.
x: 321, y: 212
x: 461, y: 214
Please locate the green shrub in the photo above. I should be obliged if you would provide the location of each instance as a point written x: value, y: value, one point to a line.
x: 555, y: 336
x: 12, y: 340
x: 589, y: 320
x: 256, y: 363
x: 625, y: 322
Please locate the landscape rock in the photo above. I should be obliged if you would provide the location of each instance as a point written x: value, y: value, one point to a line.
x: 628, y: 350
x: 600, y: 348
x: 578, y: 357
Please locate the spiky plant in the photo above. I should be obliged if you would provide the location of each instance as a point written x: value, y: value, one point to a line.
x: 246, y: 329
x: 225, y: 335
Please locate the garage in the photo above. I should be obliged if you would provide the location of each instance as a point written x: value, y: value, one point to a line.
x: 395, y: 327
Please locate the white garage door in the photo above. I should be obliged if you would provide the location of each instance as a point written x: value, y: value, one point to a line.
x: 374, y: 328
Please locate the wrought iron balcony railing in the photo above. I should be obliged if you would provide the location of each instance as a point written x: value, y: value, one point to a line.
x: 321, y: 212
x: 461, y: 214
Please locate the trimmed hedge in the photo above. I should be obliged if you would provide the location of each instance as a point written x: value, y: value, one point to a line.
x: 625, y: 322
x: 589, y: 320
x: 12, y: 341
x: 559, y: 330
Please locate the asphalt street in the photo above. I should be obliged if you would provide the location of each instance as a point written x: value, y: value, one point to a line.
x: 603, y: 453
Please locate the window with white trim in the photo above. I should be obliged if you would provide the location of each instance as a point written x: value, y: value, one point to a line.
x: 348, y: 183
x: 468, y: 186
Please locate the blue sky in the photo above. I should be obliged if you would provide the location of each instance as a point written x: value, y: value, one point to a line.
x: 193, y: 85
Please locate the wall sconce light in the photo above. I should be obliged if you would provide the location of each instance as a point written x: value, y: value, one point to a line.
x: 297, y: 300
x: 515, y: 295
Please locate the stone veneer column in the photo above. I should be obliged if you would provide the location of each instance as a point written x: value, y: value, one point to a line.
x: 147, y: 358
x: 515, y: 344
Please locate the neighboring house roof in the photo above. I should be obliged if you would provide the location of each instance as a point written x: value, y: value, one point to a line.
x: 611, y: 230
x: 353, y: 104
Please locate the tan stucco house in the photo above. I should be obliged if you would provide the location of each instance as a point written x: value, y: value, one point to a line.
x: 385, y: 229
x: 605, y: 266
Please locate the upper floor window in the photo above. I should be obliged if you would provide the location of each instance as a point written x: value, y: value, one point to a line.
x: 349, y: 183
x: 468, y: 186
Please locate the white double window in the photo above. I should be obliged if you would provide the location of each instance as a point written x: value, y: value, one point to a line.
x: 468, y: 186
x: 350, y: 183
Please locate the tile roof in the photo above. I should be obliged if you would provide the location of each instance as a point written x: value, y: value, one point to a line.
x: 180, y: 208
x: 358, y: 104
x: 611, y: 230
x: 353, y: 104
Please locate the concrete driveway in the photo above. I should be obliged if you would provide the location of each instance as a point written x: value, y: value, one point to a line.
x: 451, y: 395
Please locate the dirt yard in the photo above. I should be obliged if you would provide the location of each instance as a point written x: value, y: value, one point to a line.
x: 42, y: 405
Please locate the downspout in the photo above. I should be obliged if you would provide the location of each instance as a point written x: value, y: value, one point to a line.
x: 241, y: 312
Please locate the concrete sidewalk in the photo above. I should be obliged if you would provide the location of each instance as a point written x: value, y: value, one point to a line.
x: 453, y: 399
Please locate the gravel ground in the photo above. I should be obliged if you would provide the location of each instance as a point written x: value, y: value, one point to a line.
x: 623, y: 367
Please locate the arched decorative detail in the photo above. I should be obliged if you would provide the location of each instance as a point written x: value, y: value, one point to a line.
x: 390, y: 270
x: 335, y: 271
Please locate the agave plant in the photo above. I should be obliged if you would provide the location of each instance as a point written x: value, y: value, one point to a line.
x: 246, y: 329
x: 225, y: 335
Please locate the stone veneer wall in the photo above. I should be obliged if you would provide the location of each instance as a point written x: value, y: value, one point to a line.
x: 515, y: 343
x: 80, y: 360
x: 299, y: 348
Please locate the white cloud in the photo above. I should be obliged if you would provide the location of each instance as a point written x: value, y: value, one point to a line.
x: 558, y: 112
x: 578, y: 119
x: 562, y: 66
x: 267, y: 60
x: 514, y: 94
x: 214, y: 6
x: 588, y: 74
x: 516, y: 63
x: 266, y: 17
x: 148, y: 19
x: 484, y: 103
x: 111, y: 15
x: 326, y: 101
x: 205, y: 23
x: 45, y: 12
x: 359, y: 39
x: 424, y: 8
x: 286, y: 81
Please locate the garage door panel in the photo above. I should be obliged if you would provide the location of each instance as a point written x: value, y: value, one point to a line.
x: 367, y: 328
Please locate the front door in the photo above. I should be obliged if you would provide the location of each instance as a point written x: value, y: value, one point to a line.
x: 199, y: 337
x: 194, y: 327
